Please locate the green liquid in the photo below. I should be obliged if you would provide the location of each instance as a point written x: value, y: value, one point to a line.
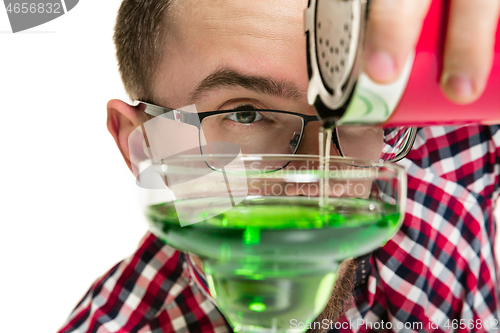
x: 272, y: 259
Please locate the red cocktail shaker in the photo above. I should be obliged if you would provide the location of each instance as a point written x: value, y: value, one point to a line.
x: 341, y: 93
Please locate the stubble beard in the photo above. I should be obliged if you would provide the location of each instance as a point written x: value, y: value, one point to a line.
x: 341, y: 298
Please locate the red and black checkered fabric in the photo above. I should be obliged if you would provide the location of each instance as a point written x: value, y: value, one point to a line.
x: 439, y: 267
x: 152, y: 291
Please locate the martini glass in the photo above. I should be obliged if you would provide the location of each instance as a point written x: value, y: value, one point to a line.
x: 272, y: 230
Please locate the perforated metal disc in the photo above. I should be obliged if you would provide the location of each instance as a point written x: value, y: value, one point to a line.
x: 335, y: 41
x: 335, y: 30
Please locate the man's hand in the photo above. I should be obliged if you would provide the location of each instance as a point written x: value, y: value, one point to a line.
x: 393, y: 30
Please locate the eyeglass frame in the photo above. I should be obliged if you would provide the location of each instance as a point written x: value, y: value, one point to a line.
x: 195, y: 119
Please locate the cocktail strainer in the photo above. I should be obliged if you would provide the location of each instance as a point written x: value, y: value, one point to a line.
x: 335, y: 31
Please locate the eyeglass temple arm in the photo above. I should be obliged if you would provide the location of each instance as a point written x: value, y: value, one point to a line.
x: 184, y: 117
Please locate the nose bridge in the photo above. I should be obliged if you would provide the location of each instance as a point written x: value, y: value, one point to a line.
x: 302, y: 166
x: 309, y: 144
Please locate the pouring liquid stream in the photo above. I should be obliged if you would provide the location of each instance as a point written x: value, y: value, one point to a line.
x: 325, y: 143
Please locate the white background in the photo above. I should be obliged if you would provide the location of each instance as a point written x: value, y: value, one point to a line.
x: 68, y: 205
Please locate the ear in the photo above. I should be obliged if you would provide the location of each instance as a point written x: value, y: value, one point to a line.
x: 122, y: 120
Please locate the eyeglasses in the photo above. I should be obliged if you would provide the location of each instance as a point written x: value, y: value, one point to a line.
x: 257, y: 131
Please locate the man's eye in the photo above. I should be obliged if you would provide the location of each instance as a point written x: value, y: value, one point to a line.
x: 245, y: 117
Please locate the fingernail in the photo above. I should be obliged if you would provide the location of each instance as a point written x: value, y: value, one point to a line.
x: 459, y: 85
x: 381, y: 66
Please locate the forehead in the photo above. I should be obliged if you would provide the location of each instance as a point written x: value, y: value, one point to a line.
x: 278, y: 19
x: 259, y: 37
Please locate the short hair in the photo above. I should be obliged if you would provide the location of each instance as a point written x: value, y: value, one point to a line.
x: 139, y: 41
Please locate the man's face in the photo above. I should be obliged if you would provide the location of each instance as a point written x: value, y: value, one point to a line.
x: 208, y: 39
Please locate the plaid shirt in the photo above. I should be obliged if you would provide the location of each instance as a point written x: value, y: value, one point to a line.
x: 439, y: 267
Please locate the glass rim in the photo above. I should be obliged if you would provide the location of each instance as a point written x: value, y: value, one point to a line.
x: 283, y: 157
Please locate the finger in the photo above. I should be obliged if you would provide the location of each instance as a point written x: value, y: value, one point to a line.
x: 392, y: 32
x: 469, y: 46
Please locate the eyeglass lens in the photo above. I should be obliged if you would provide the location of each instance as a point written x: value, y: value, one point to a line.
x: 261, y: 132
x: 255, y: 132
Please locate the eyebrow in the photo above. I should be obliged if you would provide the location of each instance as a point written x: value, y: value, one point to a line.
x: 228, y: 78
